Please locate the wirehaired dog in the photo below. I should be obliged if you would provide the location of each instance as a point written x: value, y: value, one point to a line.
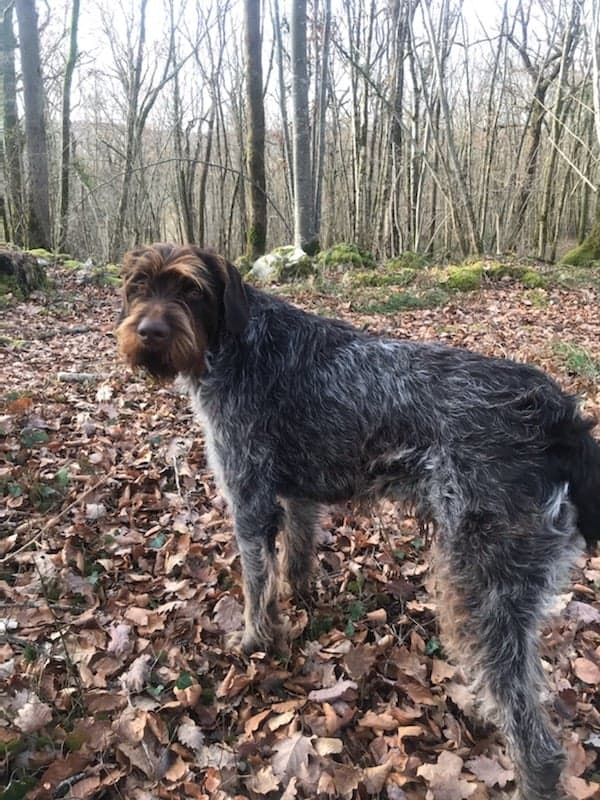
x: 299, y: 411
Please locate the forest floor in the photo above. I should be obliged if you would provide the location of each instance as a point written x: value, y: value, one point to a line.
x: 119, y: 580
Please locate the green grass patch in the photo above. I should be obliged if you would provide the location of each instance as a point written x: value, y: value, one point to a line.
x: 578, y: 361
x: 405, y: 301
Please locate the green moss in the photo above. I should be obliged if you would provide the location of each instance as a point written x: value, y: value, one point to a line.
x: 71, y: 263
x: 406, y: 301
x: 465, y: 278
x: 351, y: 255
x: 532, y: 279
x: 243, y: 264
x: 585, y: 255
x: 40, y: 252
x: 355, y: 280
x: 407, y: 260
x: 496, y: 271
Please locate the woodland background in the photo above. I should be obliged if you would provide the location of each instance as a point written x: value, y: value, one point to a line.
x: 445, y: 127
x: 443, y: 155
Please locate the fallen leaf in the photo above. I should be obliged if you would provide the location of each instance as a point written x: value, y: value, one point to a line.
x: 137, y: 675
x: 443, y: 778
x: 33, y: 715
x: 490, y: 771
x: 586, y: 671
x: 332, y: 693
x: 190, y: 734
x: 290, y: 755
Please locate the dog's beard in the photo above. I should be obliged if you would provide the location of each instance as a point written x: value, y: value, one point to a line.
x: 183, y: 351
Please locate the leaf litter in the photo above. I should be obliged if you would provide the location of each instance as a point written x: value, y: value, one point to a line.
x: 120, y: 582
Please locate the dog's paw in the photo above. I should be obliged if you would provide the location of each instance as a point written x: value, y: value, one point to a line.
x: 246, y: 642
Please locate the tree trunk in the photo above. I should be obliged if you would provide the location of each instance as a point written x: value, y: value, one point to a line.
x: 36, y: 144
x: 65, y: 165
x: 134, y: 85
x: 12, y: 132
x: 305, y: 235
x: 257, y: 231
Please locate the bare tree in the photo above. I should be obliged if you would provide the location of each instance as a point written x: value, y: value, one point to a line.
x: 12, y: 144
x: 305, y: 236
x: 257, y: 230
x: 36, y: 143
x: 65, y: 165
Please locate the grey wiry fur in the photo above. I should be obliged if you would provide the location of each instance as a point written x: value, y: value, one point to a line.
x: 300, y: 411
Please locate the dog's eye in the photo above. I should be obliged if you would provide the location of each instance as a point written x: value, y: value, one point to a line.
x: 195, y: 294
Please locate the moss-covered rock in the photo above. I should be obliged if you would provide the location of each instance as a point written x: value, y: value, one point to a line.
x: 71, y: 263
x: 464, y: 278
x: 346, y: 255
x: 21, y: 272
x: 407, y: 260
x: 587, y: 254
x: 40, y: 252
x: 584, y: 255
x: 282, y: 264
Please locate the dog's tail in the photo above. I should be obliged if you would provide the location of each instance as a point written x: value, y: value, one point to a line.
x: 583, y: 466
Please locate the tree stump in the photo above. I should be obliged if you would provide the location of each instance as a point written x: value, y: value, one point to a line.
x: 21, y: 269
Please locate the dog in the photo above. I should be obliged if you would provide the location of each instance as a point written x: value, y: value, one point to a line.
x: 300, y: 411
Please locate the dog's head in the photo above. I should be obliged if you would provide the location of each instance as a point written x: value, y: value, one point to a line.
x: 176, y: 302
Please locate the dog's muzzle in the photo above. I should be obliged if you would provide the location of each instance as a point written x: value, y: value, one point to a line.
x: 154, y: 332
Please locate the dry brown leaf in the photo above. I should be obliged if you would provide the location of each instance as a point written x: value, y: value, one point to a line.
x: 580, y: 789
x: 233, y: 683
x: 137, y: 675
x: 291, y: 755
x: 359, y: 660
x: 384, y: 721
x: 263, y: 781
x: 346, y: 778
x: 190, y: 734
x: 33, y: 715
x: 131, y: 724
x: 374, y: 778
x: 228, y: 614
x: 120, y: 639
x: 177, y: 770
x: 325, y: 746
x: 490, y: 771
x: 443, y: 778
x: 441, y: 671
x: 253, y: 723
x: 587, y: 671
x: 332, y: 693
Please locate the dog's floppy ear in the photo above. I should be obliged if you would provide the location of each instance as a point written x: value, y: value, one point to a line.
x: 235, y: 300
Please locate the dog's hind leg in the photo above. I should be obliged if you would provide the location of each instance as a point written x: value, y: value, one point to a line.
x: 494, y: 587
x: 299, y: 535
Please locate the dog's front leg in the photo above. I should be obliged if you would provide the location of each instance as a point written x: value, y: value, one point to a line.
x: 256, y: 530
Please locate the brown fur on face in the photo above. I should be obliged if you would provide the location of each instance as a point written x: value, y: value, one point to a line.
x: 191, y: 294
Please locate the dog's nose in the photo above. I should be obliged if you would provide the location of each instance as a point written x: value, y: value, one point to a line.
x: 153, y: 331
